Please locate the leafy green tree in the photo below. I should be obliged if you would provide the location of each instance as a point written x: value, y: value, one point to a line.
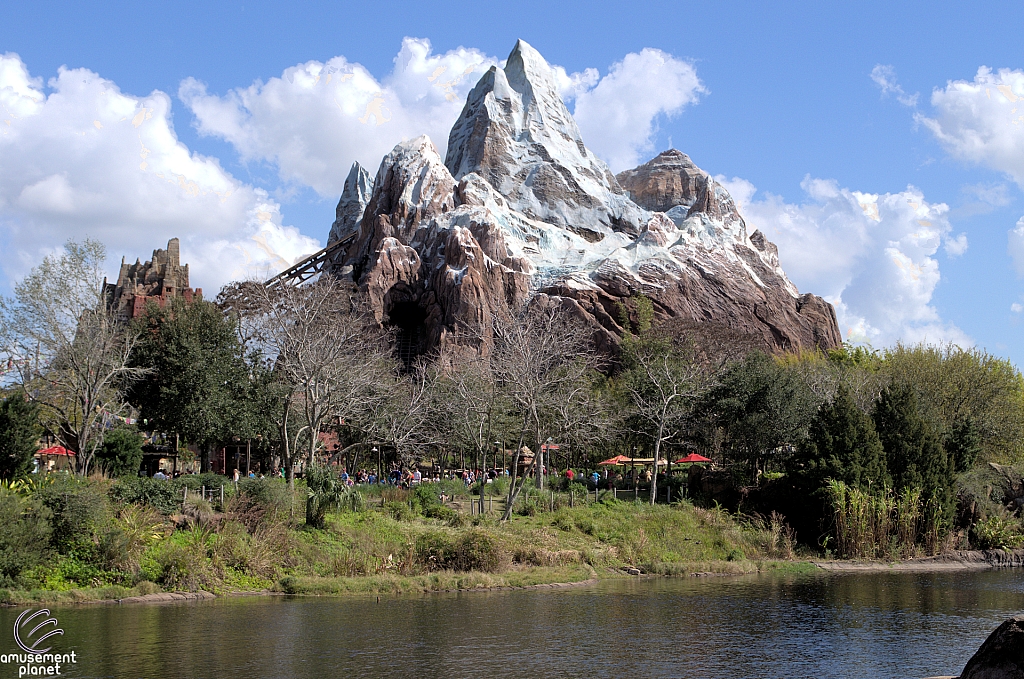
x: 19, y: 431
x: 762, y: 409
x: 121, y: 454
x: 199, y: 385
x: 24, y: 535
x: 954, y: 385
x: 842, y: 444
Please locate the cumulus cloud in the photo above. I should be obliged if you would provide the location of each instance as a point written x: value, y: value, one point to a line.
x: 618, y: 116
x: 885, y: 77
x: 982, y: 121
x: 1016, y: 246
x: 871, y: 255
x: 316, y: 118
x: 81, y: 158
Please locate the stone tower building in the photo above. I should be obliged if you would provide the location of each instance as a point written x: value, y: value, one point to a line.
x: 158, y: 280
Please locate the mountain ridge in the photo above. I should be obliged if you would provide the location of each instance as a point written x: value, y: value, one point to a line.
x: 520, y: 209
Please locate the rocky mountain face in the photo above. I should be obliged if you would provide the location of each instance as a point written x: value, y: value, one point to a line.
x: 354, y: 197
x: 521, y: 210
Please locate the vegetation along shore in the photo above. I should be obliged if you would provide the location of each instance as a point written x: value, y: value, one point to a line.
x: 329, y: 457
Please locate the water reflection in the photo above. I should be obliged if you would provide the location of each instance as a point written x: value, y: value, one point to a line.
x: 907, y: 625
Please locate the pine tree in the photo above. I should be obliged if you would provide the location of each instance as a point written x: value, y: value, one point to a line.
x: 843, y: 445
x: 19, y: 430
x: 914, y: 455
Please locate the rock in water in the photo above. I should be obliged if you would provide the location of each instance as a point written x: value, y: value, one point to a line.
x: 521, y: 209
x: 1002, y: 654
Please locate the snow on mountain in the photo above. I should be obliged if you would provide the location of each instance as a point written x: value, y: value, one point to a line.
x: 521, y: 209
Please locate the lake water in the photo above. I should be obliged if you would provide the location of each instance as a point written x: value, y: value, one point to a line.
x: 817, y: 625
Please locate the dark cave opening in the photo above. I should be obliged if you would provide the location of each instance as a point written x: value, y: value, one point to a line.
x: 407, y: 319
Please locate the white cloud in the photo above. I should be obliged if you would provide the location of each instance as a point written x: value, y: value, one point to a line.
x: 994, y: 195
x: 982, y: 121
x: 316, y: 118
x: 955, y: 247
x: 1016, y: 308
x: 871, y: 255
x: 618, y: 117
x: 1015, y: 246
x: 885, y: 77
x: 81, y: 158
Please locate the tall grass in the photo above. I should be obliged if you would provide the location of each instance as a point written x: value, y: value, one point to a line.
x: 885, y: 525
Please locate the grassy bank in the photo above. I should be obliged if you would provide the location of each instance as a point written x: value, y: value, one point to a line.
x: 90, y: 540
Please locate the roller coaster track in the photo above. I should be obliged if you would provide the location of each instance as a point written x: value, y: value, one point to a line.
x: 310, y: 266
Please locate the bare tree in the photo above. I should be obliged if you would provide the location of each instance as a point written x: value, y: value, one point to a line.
x: 541, y: 360
x: 67, y: 350
x: 328, y: 356
x: 662, y: 378
x: 399, y: 413
x: 471, y: 411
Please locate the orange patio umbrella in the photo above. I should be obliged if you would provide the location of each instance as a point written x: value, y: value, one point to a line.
x: 615, y: 461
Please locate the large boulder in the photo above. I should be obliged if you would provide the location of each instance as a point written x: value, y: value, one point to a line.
x: 1002, y: 654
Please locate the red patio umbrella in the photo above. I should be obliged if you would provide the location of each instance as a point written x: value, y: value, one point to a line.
x: 691, y: 458
x: 615, y: 461
x: 56, y: 450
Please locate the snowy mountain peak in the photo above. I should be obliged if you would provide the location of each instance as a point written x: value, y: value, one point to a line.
x: 354, y: 197
x: 521, y: 210
x: 517, y: 134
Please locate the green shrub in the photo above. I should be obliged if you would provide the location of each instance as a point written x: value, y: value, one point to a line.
x: 199, y: 512
x: 163, y: 496
x: 475, y: 550
x: 478, y: 551
x: 426, y: 496
x: 400, y: 511
x: 121, y: 452
x: 435, y: 551
x: 79, y: 510
x: 499, y: 487
x: 24, y: 535
x: 259, y: 502
x: 131, y: 533
x: 445, y: 514
x: 998, y: 532
x: 208, y: 480
x: 259, y: 554
x: 184, y: 561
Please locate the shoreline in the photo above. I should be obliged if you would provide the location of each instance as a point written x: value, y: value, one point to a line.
x: 973, y: 560
x: 966, y: 560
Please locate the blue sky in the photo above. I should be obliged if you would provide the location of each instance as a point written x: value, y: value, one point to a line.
x: 861, y: 138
